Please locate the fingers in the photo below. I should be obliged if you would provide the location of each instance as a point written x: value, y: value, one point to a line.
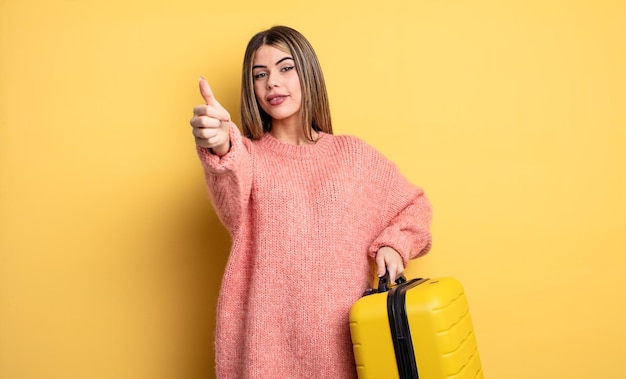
x: 204, y: 117
x: 210, y: 122
x: 208, y: 116
x: 380, y: 264
x: 387, y: 259
x: 205, y: 91
x: 214, y: 108
x: 213, y: 138
x: 208, y: 132
x: 395, y: 272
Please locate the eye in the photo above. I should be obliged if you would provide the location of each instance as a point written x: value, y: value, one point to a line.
x: 260, y: 75
x: 287, y: 68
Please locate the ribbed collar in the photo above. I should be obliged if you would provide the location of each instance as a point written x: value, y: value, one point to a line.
x: 321, y: 148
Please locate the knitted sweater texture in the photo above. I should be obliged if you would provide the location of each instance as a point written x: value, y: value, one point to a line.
x: 305, y: 222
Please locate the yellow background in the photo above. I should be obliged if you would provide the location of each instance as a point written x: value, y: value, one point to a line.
x: 509, y: 113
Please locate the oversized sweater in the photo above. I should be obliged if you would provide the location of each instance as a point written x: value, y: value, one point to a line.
x: 305, y: 222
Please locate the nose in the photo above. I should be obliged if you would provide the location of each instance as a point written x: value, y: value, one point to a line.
x: 272, y: 82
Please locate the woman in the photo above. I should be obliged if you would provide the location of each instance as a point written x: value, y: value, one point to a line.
x: 309, y: 214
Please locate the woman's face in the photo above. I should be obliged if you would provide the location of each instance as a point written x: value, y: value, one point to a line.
x: 276, y: 84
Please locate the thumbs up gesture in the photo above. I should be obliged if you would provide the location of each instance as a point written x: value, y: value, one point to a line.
x: 210, y: 122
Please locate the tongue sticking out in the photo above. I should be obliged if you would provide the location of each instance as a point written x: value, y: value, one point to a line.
x: 277, y: 100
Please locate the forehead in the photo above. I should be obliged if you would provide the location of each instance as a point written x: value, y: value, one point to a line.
x: 270, y: 54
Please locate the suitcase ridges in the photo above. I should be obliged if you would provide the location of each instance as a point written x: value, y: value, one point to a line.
x: 479, y: 374
x: 466, y: 366
x: 455, y: 331
x: 454, y: 324
x: 366, y: 354
x: 448, y: 351
x: 442, y: 308
x: 463, y: 341
x: 466, y: 347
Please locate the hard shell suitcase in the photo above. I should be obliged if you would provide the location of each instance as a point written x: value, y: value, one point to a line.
x: 419, y: 328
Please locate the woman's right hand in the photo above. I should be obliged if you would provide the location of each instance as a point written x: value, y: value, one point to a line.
x: 211, y: 122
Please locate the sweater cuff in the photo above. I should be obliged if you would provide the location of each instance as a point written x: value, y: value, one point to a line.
x: 216, y: 165
x: 405, y: 244
x: 399, y: 245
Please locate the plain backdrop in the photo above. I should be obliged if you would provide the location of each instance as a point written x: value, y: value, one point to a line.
x: 510, y: 114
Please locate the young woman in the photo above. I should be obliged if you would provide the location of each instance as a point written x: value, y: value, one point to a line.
x: 309, y: 214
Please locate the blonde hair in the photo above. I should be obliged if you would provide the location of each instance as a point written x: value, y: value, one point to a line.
x: 315, y: 109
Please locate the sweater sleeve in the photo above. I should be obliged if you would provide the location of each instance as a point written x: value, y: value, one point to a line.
x: 406, y: 219
x: 228, y: 178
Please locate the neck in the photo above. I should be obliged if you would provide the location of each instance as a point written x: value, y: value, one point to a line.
x: 291, y: 133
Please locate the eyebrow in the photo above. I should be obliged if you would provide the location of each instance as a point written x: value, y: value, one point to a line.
x: 277, y: 63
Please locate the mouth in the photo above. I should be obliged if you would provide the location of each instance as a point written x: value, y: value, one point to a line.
x: 276, y: 99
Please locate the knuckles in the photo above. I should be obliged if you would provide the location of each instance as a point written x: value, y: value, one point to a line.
x: 200, y: 110
x: 211, y: 111
x: 204, y: 122
x: 207, y: 123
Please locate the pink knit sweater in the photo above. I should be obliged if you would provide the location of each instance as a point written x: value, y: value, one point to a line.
x: 305, y: 222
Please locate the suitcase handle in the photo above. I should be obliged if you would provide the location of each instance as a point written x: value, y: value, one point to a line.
x: 383, y: 282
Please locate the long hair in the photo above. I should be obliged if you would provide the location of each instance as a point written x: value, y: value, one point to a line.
x: 315, y: 109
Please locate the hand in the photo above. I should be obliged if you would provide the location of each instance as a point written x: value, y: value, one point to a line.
x: 388, y: 259
x: 210, y: 122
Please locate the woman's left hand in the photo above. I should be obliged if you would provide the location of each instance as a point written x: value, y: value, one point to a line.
x: 390, y: 260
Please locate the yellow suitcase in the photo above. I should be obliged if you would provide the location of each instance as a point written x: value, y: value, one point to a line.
x: 419, y: 328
